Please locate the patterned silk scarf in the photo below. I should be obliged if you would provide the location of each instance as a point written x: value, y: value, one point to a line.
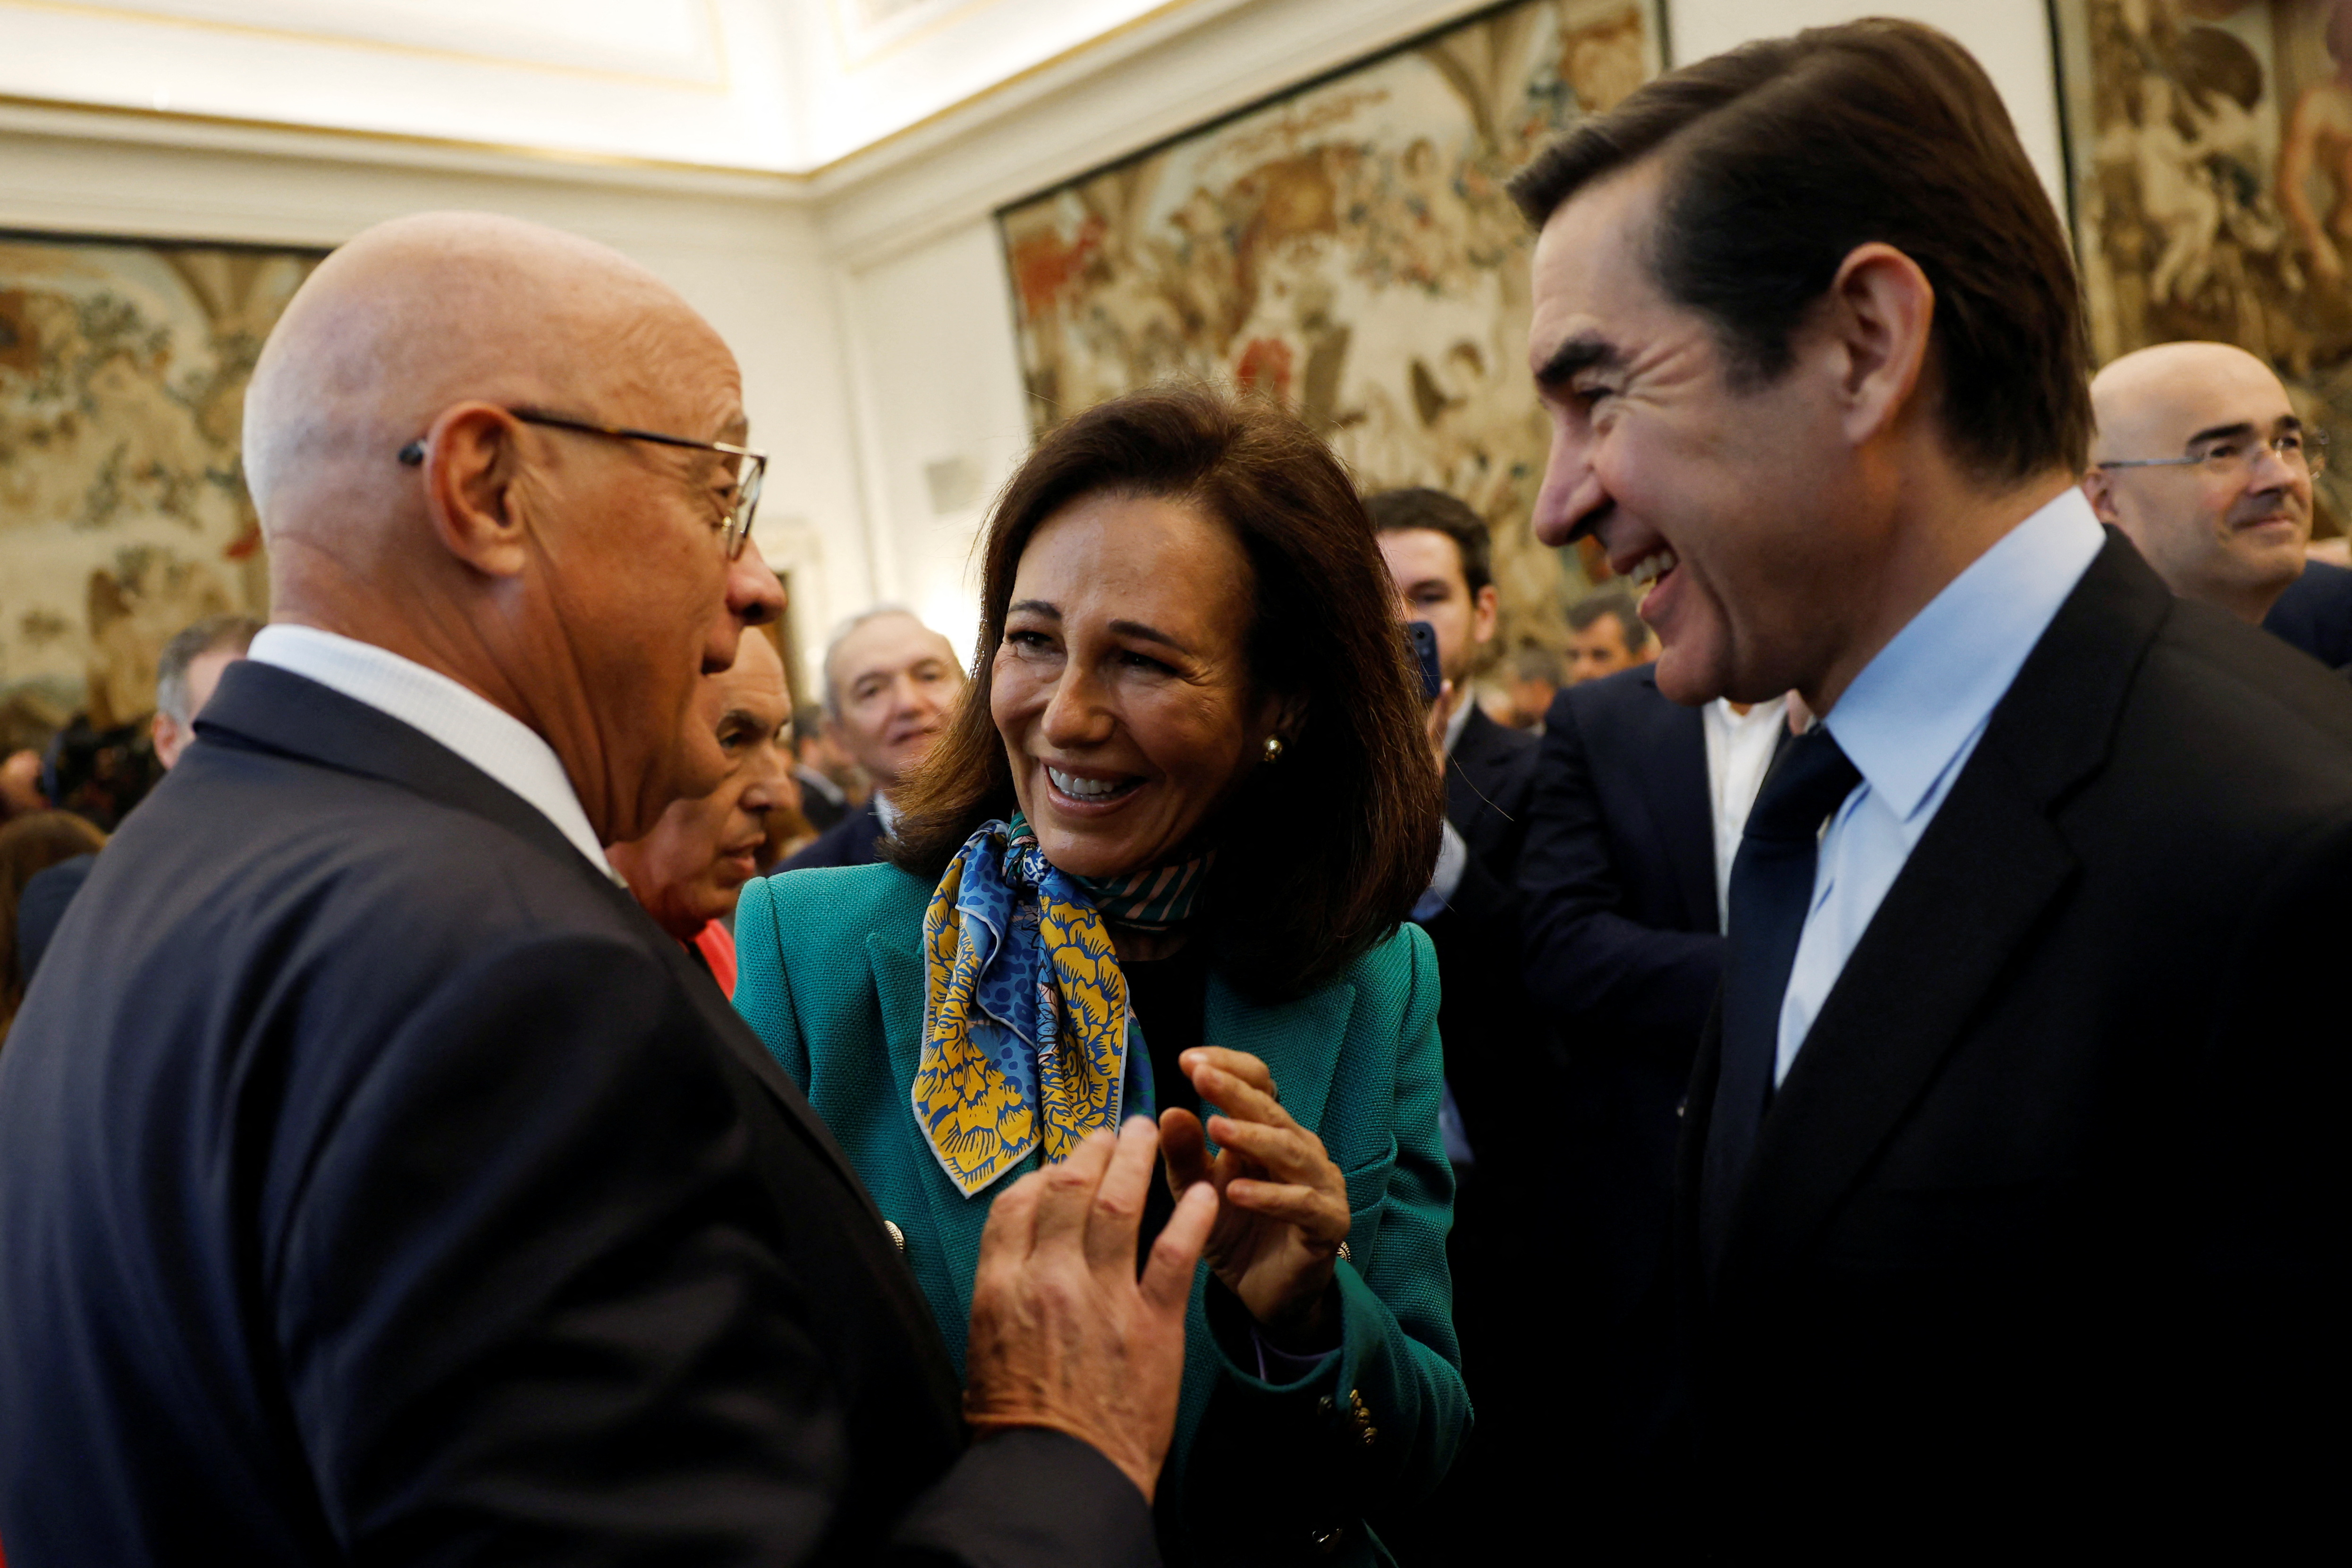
x: 1027, y: 1038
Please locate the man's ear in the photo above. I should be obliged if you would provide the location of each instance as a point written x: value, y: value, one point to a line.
x: 1880, y: 313
x: 2099, y: 489
x: 166, y: 736
x: 471, y: 466
x: 1482, y: 612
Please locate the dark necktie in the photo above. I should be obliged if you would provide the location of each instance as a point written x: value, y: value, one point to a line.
x: 1772, y: 890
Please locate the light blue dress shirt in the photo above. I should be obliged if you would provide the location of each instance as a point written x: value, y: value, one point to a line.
x: 1910, y: 721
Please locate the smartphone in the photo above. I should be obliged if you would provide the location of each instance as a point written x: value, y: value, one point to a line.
x: 1421, y: 638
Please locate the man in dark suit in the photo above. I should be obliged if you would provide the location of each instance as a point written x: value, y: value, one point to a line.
x: 1636, y: 813
x: 890, y: 682
x: 1497, y: 1056
x: 380, y: 1183
x: 1439, y: 554
x: 2011, y: 1176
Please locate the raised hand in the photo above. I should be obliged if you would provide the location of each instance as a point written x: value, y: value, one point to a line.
x: 1285, y: 1205
x: 1063, y: 1334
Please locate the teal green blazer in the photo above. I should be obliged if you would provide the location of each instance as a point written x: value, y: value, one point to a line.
x: 830, y: 972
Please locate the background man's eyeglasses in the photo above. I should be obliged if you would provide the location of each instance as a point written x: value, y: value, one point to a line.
x: 753, y: 465
x: 2303, y: 449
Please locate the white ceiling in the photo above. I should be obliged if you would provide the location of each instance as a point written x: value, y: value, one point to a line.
x: 772, y: 85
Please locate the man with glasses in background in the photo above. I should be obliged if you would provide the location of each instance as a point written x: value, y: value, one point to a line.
x: 2200, y: 460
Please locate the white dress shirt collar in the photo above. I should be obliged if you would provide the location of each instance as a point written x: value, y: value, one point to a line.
x: 469, y: 724
x: 1739, y: 752
x: 1910, y: 721
x: 1911, y: 714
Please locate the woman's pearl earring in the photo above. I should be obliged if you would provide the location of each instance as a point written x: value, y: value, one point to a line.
x: 1274, y: 748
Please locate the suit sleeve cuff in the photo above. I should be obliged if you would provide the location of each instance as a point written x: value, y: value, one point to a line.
x: 1030, y: 1498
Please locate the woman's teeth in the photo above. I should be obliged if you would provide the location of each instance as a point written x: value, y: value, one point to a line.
x: 1652, y: 567
x: 1087, y: 789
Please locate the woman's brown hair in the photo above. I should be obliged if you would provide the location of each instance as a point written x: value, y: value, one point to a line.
x: 1321, y: 855
x: 29, y: 845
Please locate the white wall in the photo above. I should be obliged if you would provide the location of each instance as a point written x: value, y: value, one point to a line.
x: 935, y: 379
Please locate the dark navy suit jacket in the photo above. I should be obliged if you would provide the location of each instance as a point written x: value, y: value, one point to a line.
x: 2315, y: 614
x: 1623, y: 942
x: 1495, y: 1050
x: 380, y: 1185
x: 850, y: 842
x: 1623, y: 954
x: 2037, y: 1233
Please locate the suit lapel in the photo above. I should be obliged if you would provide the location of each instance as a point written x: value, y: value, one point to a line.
x: 956, y: 1220
x: 1296, y: 1040
x: 748, y: 1051
x: 262, y: 706
x: 1988, y: 867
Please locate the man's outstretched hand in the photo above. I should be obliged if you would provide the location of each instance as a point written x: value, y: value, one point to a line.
x: 1063, y: 1333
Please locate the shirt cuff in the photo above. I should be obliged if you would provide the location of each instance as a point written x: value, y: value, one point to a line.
x: 1453, y: 859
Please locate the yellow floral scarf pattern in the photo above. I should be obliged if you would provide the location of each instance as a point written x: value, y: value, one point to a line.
x: 1025, y: 1022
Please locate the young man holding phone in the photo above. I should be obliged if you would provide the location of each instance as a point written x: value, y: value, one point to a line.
x: 1497, y: 1054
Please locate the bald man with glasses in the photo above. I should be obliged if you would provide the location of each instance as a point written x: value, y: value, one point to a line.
x: 2201, y: 460
x: 380, y: 1182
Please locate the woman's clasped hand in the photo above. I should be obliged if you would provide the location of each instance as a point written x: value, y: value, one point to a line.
x: 1285, y: 1206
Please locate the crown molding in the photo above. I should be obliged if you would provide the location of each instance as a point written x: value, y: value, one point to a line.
x: 1160, y: 74
x: 1170, y: 72
x: 334, y: 144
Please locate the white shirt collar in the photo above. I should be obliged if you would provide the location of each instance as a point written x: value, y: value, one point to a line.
x: 1760, y: 715
x: 886, y: 814
x: 1915, y: 708
x: 469, y: 724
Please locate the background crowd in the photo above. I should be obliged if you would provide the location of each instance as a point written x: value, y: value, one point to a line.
x: 1804, y: 1063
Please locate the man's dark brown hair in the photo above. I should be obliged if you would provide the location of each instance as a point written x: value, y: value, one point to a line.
x: 1394, y: 511
x: 1321, y: 854
x: 1785, y: 155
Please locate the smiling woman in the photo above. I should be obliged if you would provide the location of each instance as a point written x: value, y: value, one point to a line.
x: 1158, y: 864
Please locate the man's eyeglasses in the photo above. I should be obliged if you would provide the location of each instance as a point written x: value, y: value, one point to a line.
x: 2304, y: 451
x: 752, y: 469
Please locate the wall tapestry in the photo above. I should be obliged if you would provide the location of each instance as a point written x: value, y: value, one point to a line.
x: 1348, y: 248
x: 2211, y: 151
x: 123, y: 515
